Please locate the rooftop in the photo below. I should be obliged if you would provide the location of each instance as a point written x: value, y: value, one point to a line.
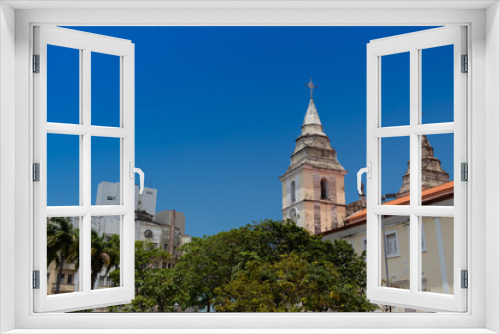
x: 429, y: 196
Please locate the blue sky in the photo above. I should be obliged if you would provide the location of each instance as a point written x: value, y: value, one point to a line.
x: 218, y: 110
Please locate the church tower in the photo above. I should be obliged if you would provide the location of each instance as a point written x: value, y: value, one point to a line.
x: 433, y: 174
x: 313, y: 186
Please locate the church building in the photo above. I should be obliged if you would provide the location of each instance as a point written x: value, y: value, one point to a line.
x: 313, y: 193
x: 313, y: 185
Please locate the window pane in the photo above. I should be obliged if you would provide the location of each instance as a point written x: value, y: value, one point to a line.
x: 437, y: 169
x: 437, y: 257
x: 395, y: 90
x: 105, y: 90
x: 106, y: 171
x: 437, y: 84
x: 63, y: 85
x: 395, y: 170
x: 63, y: 170
x: 395, y: 252
x: 105, y: 253
x: 63, y: 250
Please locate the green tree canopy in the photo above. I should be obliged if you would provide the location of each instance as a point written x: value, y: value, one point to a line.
x: 62, y: 245
x: 105, y: 254
x: 273, y: 266
x: 154, y: 287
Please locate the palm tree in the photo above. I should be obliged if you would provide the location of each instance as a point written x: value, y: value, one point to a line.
x: 104, y: 254
x: 62, y: 245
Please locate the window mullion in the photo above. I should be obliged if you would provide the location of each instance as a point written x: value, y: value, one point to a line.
x: 86, y: 167
x: 415, y: 166
x: 85, y: 162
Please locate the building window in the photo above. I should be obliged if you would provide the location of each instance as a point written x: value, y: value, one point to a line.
x: 163, y: 265
x: 292, y: 191
x: 111, y: 198
x: 324, y: 188
x: 391, y: 244
x: 70, y: 279
x: 294, y: 215
x: 165, y: 247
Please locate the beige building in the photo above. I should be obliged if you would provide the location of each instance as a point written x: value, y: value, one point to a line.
x: 68, y: 282
x: 437, y: 243
x: 313, y: 185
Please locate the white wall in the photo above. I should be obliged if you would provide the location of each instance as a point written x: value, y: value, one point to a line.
x: 7, y: 161
x: 492, y: 158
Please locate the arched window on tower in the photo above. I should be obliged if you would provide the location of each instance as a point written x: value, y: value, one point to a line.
x: 292, y: 191
x: 324, y: 188
x: 294, y: 215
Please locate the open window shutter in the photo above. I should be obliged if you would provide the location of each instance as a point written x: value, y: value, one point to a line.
x: 380, y: 284
x: 81, y: 218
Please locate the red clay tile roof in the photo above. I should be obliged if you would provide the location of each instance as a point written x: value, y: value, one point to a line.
x: 428, y: 195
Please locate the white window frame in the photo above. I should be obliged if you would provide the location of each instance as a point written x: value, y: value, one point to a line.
x: 15, y: 122
x: 414, y: 43
x: 424, y: 244
x: 84, y: 44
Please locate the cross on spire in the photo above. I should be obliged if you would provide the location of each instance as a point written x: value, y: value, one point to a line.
x: 311, y: 86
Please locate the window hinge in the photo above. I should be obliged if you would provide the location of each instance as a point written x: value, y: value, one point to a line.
x: 464, y: 172
x: 36, y: 279
x: 465, y: 64
x: 36, y: 63
x: 36, y: 172
x: 465, y: 279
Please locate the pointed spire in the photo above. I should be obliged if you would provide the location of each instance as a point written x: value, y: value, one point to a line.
x: 312, y: 123
x: 313, y: 146
x: 312, y: 117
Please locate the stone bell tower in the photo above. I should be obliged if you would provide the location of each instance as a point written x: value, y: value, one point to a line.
x: 313, y: 186
x: 433, y: 174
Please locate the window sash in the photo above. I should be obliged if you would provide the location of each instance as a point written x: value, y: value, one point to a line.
x: 413, y: 43
x: 86, y: 43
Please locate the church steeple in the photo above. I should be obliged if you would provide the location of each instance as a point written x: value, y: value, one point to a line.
x: 313, y: 185
x: 312, y: 123
x: 433, y: 174
x: 313, y: 145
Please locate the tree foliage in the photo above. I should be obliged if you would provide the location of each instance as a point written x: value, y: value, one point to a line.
x: 105, y: 254
x: 272, y: 266
x: 155, y: 288
x: 62, y: 245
